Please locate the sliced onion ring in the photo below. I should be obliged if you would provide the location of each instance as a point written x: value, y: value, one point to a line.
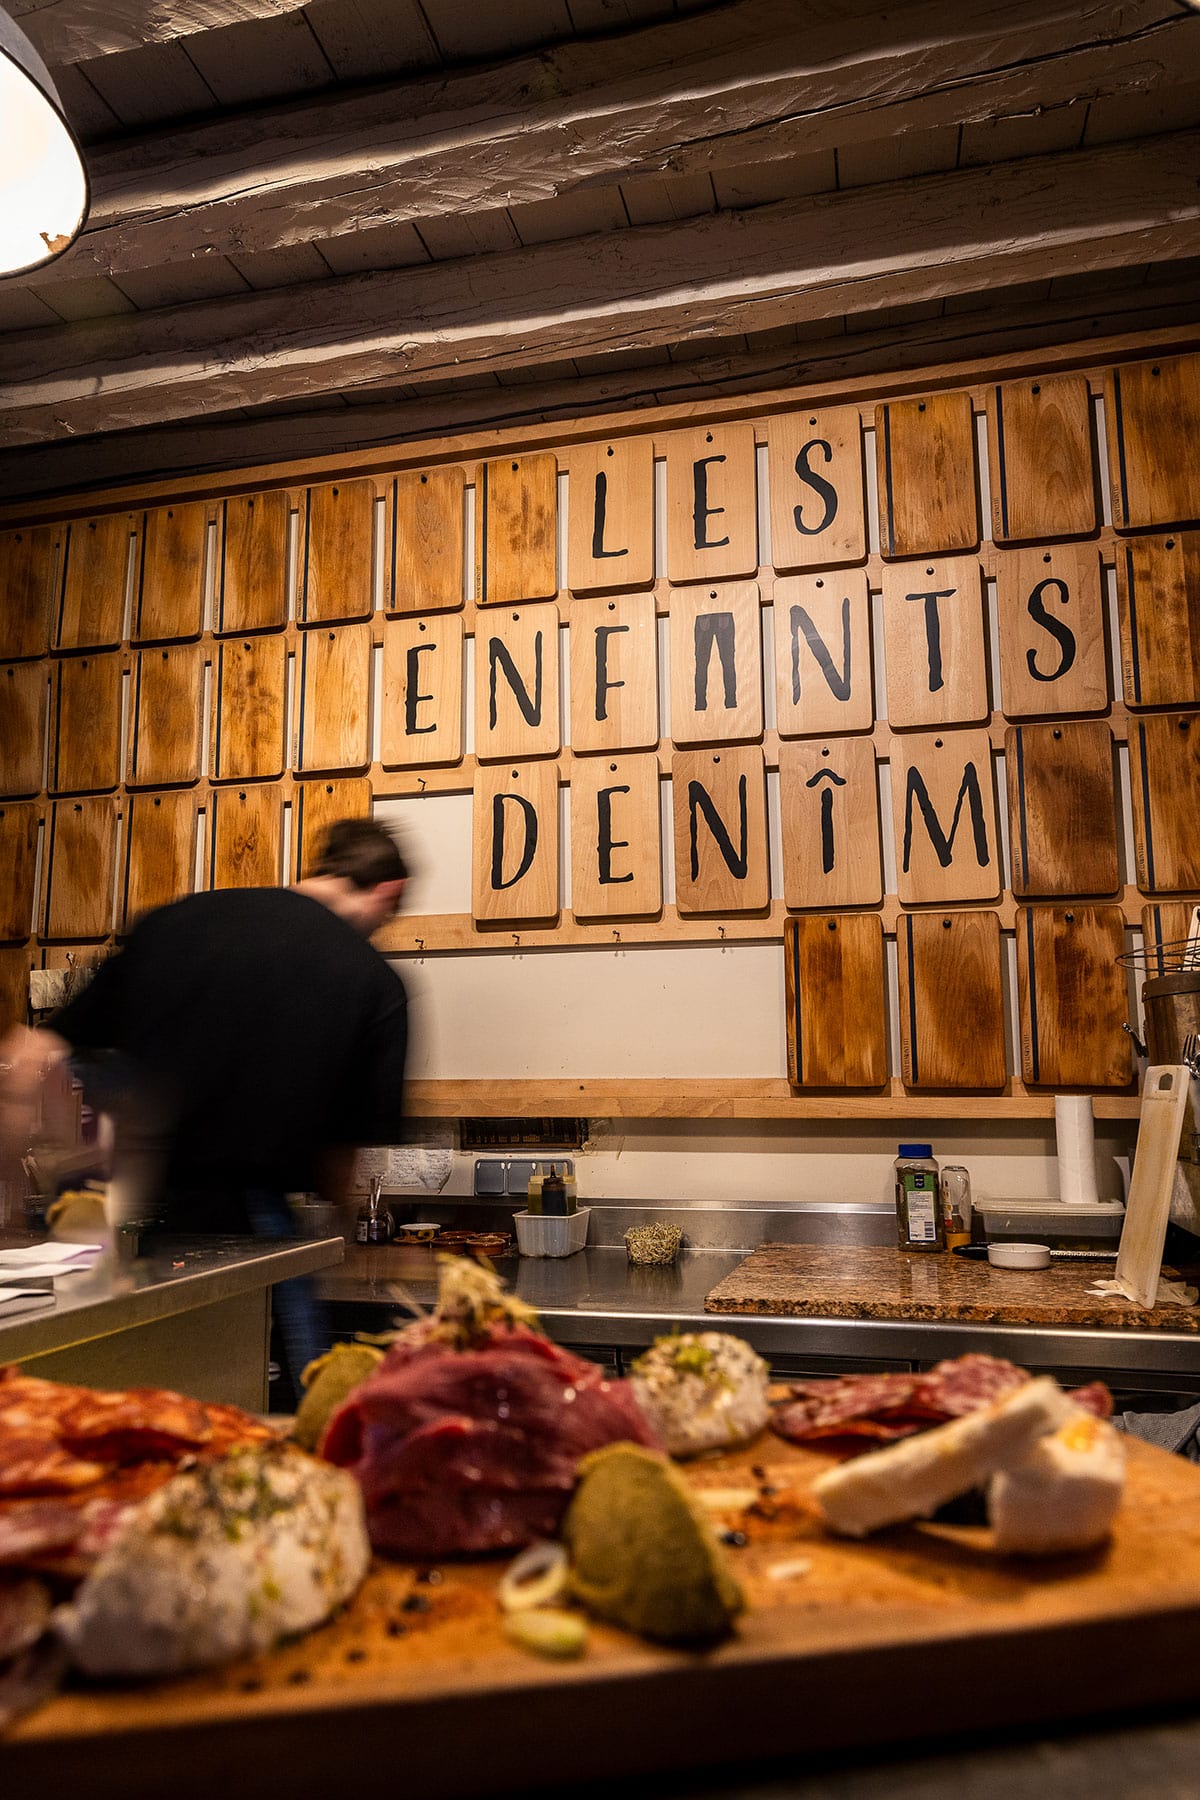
x: 537, y: 1578
x: 726, y: 1499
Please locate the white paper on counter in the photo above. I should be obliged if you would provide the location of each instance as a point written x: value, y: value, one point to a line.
x: 423, y: 1168
x: 15, y: 1300
x: 54, y: 1254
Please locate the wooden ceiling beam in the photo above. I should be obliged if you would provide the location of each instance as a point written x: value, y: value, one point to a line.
x: 718, y: 275
x: 180, y: 459
x: 758, y: 81
x: 72, y: 31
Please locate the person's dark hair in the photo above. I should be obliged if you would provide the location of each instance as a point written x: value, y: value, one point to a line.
x: 360, y: 851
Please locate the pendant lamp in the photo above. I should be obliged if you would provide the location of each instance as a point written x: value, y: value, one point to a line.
x: 43, y: 183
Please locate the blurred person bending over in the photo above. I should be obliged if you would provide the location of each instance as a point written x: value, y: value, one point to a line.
x: 245, y: 1040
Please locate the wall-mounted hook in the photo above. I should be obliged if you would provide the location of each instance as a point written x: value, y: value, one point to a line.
x: 421, y: 780
x: 616, y: 934
x: 516, y: 937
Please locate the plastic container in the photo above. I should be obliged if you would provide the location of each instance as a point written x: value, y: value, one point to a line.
x: 918, y: 1200
x: 542, y: 1234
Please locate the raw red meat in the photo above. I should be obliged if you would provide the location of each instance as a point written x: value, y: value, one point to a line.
x: 461, y: 1451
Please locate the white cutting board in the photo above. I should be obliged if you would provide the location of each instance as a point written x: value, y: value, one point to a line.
x: 1139, y: 1260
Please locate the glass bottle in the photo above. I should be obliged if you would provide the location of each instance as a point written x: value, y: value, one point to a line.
x: 918, y: 1201
x: 956, y: 1205
x: 374, y: 1222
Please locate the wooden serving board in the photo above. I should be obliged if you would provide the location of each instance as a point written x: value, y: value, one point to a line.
x: 418, y: 1675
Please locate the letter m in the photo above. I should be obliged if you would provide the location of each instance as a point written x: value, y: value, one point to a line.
x: 943, y: 842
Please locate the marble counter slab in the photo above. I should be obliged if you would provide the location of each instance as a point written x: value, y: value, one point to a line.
x: 815, y: 1282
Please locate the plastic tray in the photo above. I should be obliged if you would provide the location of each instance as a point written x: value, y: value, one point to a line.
x: 552, y: 1234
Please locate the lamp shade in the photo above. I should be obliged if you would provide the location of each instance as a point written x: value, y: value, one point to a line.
x: 43, y: 183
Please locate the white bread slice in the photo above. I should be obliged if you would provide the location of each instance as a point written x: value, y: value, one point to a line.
x: 912, y: 1479
x: 1065, y: 1494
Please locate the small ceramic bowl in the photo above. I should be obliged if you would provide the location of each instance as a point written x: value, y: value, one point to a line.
x: 1019, y: 1256
x: 418, y: 1234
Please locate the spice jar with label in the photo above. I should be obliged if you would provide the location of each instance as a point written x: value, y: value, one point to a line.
x: 918, y: 1200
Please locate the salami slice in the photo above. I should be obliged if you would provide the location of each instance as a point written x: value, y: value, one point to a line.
x: 135, y: 1425
x: 40, y: 1465
x: 879, y: 1430
x: 1094, y: 1398
x: 24, y: 1615
x: 953, y: 1389
x: 33, y: 1528
x: 858, y: 1397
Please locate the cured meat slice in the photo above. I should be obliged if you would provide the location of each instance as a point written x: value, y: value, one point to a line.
x: 1094, y: 1398
x: 953, y: 1389
x: 33, y: 1528
x: 40, y: 1465
x: 857, y: 1397
x: 878, y: 1429
x: 134, y: 1425
x: 24, y: 1614
x: 29, y: 1404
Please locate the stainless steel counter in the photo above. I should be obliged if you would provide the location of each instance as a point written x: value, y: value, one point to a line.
x: 194, y: 1315
x: 598, y: 1302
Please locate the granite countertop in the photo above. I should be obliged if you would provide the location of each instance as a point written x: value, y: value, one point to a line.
x: 816, y: 1282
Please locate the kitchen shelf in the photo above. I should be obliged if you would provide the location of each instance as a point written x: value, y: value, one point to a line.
x: 731, y: 1099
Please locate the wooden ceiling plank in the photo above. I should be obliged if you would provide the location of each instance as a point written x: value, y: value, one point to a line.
x: 749, y: 83
x: 796, y: 260
x: 74, y: 31
x: 240, y: 452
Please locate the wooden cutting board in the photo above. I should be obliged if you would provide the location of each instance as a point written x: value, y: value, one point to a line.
x: 164, y: 742
x: 1158, y: 593
x: 925, y: 462
x: 1150, y: 409
x: 712, y: 520
x: 849, y: 1650
x: 1073, y: 996
x: 1040, y: 451
x: 252, y: 569
x: 91, y: 604
x: 337, y: 558
x: 24, y: 700
x: 951, y: 1000
x: 249, y: 709
x: 18, y: 870
x: 516, y: 530
x: 1062, y: 808
x: 836, y: 1007
x: 427, y: 540
x: 818, y: 492
x: 610, y: 521
x: 160, y: 853
x: 715, y: 664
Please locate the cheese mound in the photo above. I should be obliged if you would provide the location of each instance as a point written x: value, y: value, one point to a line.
x: 910, y: 1480
x: 1064, y: 1495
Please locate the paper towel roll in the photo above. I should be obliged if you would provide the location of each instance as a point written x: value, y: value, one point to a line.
x: 1074, y: 1129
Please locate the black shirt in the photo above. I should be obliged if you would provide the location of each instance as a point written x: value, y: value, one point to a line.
x: 264, y: 1028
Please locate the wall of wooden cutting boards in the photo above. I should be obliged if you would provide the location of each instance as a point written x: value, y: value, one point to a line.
x: 772, y: 654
